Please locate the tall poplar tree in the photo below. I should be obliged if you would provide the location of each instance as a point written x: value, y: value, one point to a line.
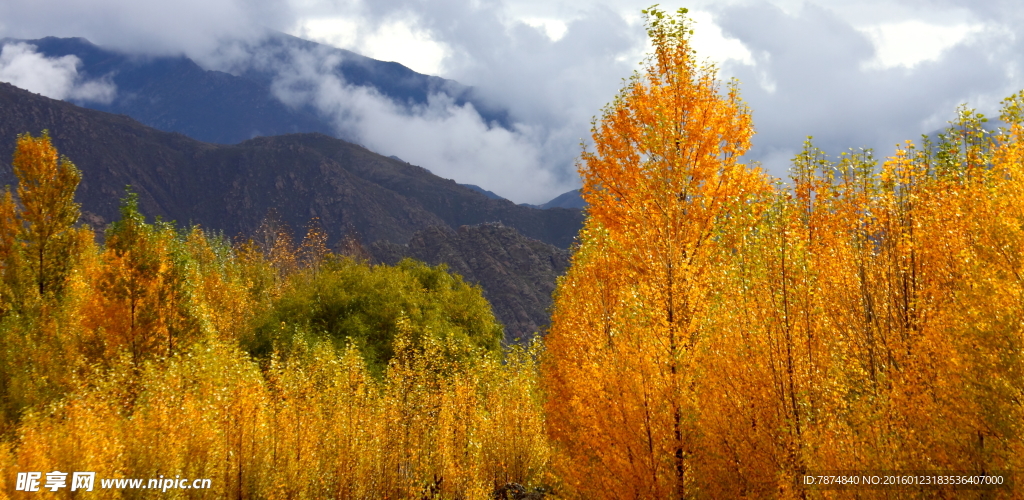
x: 46, y: 189
x: 625, y: 340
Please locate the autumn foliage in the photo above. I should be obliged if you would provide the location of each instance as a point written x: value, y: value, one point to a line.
x: 719, y: 334
x: 274, y: 369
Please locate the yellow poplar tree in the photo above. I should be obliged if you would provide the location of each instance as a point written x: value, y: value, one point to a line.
x: 626, y: 337
x: 46, y: 190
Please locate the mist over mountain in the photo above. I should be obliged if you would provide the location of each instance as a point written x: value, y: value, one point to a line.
x: 277, y: 84
x: 175, y: 94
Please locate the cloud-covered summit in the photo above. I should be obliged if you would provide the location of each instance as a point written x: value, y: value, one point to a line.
x: 53, y: 77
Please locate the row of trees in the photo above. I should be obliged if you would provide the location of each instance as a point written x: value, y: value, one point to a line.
x: 276, y: 370
x: 720, y: 334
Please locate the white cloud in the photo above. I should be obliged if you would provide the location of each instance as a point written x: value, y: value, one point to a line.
x: 711, y: 44
x: 554, y: 28
x: 56, y: 78
x: 398, y: 40
x: 816, y: 74
x: 908, y: 43
x: 450, y: 140
x: 193, y: 27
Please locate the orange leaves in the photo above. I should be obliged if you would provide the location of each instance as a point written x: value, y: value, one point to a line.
x: 46, y: 190
x: 718, y: 335
x: 10, y: 254
x: 626, y: 344
x: 135, y: 300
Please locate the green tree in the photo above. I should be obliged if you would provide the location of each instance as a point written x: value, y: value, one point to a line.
x: 352, y: 302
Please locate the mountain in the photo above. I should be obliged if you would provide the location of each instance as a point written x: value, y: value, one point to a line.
x: 175, y: 94
x: 490, y: 194
x: 519, y: 272
x: 570, y: 199
x: 231, y: 188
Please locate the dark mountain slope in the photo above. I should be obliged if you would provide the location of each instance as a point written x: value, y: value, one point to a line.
x: 570, y: 199
x: 490, y: 194
x: 231, y: 188
x: 454, y: 204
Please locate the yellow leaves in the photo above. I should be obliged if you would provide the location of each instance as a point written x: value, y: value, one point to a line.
x: 863, y: 319
x: 626, y: 344
x: 46, y: 190
x: 315, y: 426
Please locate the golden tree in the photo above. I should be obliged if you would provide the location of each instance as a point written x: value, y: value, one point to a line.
x: 9, y: 254
x: 626, y: 337
x: 41, y: 253
x: 46, y: 190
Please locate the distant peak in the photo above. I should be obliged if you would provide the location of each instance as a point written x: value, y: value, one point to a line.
x: 489, y: 194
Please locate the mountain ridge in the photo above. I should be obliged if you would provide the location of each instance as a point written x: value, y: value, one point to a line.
x: 231, y: 188
x: 176, y: 94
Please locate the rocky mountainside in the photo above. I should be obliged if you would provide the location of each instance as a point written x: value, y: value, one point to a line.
x: 232, y: 187
x: 518, y: 274
x: 349, y: 188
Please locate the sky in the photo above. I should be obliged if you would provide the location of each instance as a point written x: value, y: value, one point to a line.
x: 856, y: 73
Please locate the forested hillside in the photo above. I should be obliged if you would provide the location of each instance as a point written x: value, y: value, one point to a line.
x: 231, y: 188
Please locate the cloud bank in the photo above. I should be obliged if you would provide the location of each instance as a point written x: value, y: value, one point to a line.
x: 194, y: 27
x: 450, y: 139
x: 853, y: 74
x: 56, y: 78
x: 836, y: 70
x: 814, y: 74
x: 550, y: 88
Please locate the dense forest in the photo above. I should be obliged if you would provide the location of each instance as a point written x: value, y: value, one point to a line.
x: 719, y: 334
